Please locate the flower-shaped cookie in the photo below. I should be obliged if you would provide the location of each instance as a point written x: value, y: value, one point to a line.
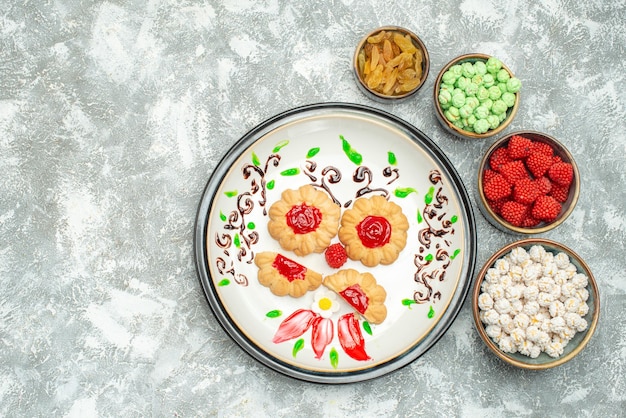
x: 304, y: 220
x: 361, y: 291
x: 284, y: 276
x: 374, y: 231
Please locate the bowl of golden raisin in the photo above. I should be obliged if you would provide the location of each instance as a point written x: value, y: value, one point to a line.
x: 390, y: 63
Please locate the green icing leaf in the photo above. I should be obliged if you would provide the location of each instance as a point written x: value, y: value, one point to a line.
x: 274, y: 314
x: 231, y: 193
x: 334, y: 357
x: 367, y: 327
x: 222, y: 216
x: 270, y: 184
x: 237, y: 241
x: 456, y: 252
x: 255, y: 159
x: 351, y: 153
x: 428, y: 199
x: 391, y: 158
x: 408, y: 302
x: 290, y: 172
x: 251, y: 225
x: 419, y: 217
x: 431, y: 313
x: 404, y: 192
x: 454, y: 219
x: 429, y: 258
x: 224, y: 282
x: 299, y: 345
x: 312, y: 152
x: 280, y: 145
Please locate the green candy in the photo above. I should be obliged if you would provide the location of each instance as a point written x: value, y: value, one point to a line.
x: 493, y: 120
x: 452, y: 114
x: 449, y: 77
x: 488, y: 80
x: 466, y: 111
x: 471, y: 89
x: 494, y: 92
x: 445, y: 97
x: 487, y: 103
x: 482, y: 94
x: 503, y: 76
x: 468, y: 70
x: 481, y: 126
x: 477, y: 79
x: 513, y: 85
x: 502, y: 87
x: 458, y: 100
x: 480, y: 68
x: 502, y: 116
x: 493, y: 65
x: 508, y: 98
x: 457, y: 70
x: 462, y: 82
x: 446, y: 87
x: 472, y: 102
x: 471, y: 120
x: 499, y: 107
x: 481, y: 112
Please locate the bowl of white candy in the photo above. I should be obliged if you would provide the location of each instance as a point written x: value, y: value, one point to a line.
x: 535, y: 304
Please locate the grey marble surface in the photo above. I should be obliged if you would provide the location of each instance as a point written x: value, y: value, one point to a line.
x: 114, y: 114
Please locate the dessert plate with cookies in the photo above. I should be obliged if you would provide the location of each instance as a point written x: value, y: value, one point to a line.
x: 335, y: 243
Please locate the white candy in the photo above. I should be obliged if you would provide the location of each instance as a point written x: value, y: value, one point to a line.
x: 492, y: 276
x: 557, y: 309
x: 503, y: 306
x: 485, y: 301
x: 580, y: 281
x: 561, y: 260
x: 518, y: 255
x: 533, y: 301
x: 531, y: 308
x: 490, y: 317
x: 502, y: 265
x: 536, y: 253
x: 494, y: 332
x: 531, y: 293
x: 521, y: 320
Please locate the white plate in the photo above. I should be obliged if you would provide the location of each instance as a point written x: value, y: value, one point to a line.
x: 348, y: 151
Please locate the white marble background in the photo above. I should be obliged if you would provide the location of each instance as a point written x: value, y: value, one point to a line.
x: 113, y: 114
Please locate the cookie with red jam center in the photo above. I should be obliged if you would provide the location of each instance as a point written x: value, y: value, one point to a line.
x: 361, y: 291
x: 304, y: 220
x: 374, y: 231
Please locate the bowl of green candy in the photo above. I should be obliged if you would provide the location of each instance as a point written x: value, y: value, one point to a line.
x: 476, y: 96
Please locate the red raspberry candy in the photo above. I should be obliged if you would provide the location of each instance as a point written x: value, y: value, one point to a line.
x: 519, y: 147
x: 542, y: 148
x: 546, y: 208
x: 336, y: 255
x: 514, y: 212
x: 544, y: 185
x: 525, y: 191
x: 561, y: 173
x: 497, y: 188
x: 498, y: 158
x: 538, y: 164
x: 559, y: 193
x: 514, y: 171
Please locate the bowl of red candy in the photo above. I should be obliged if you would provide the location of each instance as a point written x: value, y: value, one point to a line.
x: 528, y: 183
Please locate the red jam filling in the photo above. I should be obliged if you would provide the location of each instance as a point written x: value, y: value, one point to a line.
x: 289, y: 268
x: 355, y: 296
x: 374, y: 231
x: 303, y: 218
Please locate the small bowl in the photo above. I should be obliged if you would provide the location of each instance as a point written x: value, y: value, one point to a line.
x: 362, y: 55
x: 579, y: 340
x: 457, y: 130
x: 567, y: 206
